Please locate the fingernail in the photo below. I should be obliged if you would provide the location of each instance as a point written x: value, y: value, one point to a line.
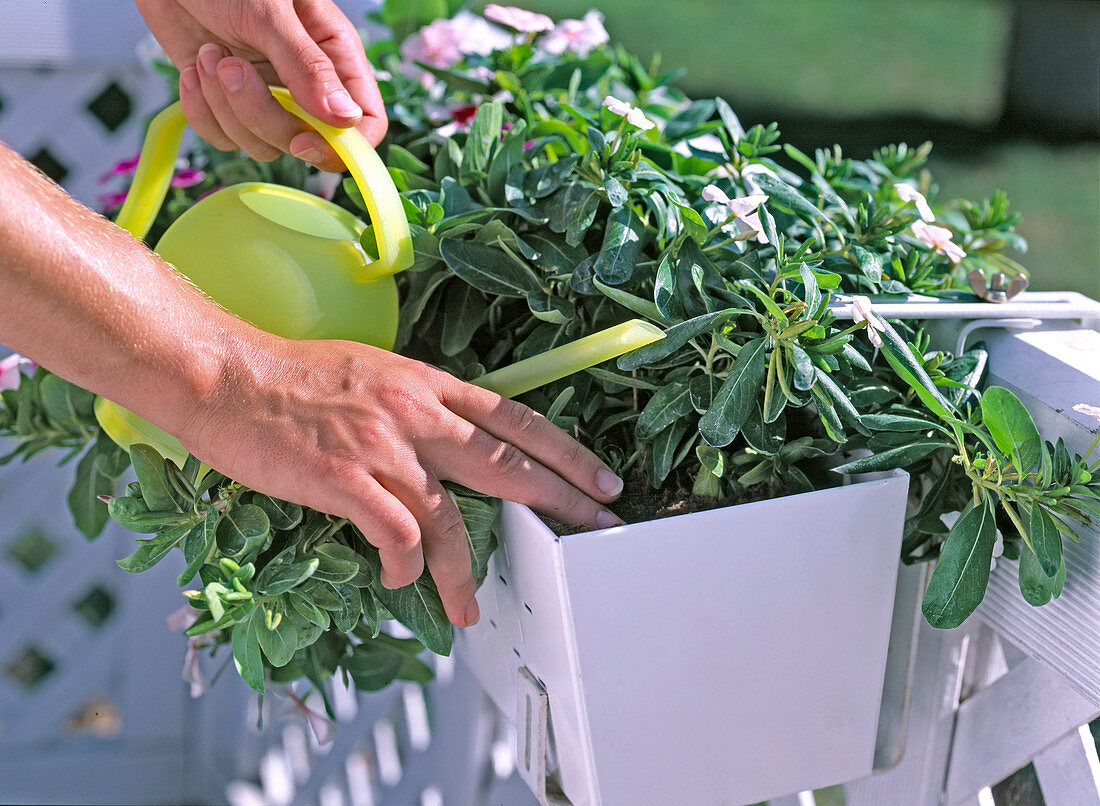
x: 310, y: 155
x: 472, y: 614
x: 190, y: 78
x: 386, y: 581
x: 209, y: 56
x: 340, y: 103
x: 605, y: 519
x: 608, y: 482
x: 232, y: 77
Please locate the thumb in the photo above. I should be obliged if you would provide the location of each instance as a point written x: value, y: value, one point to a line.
x: 308, y: 73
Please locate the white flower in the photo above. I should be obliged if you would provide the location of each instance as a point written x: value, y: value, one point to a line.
x: 939, y: 238
x: 750, y: 170
x: 1088, y: 411
x: 580, y: 36
x: 746, y: 217
x: 634, y: 116
x: 528, y: 22
x: 998, y: 550
x: 862, y: 312
x: 908, y: 193
x: 10, y: 370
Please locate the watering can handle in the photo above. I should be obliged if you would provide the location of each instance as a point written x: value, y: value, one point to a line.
x: 162, y: 143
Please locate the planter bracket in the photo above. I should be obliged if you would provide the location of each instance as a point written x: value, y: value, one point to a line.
x: 533, y: 738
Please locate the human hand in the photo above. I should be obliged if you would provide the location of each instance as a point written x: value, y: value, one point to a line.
x: 368, y: 435
x: 228, y: 51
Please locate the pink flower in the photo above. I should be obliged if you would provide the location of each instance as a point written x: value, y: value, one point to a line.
x: 123, y: 168
x: 938, y: 238
x: 743, y: 210
x: 861, y: 312
x: 461, y: 118
x: 435, y: 45
x: 634, y: 116
x: 11, y: 370
x: 187, y: 178
x: 109, y: 201
x: 528, y: 22
x: 183, y: 618
x: 192, y: 673
x: 908, y: 193
x: 580, y: 36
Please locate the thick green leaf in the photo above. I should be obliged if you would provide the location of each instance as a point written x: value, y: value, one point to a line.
x: 479, y: 515
x: 1036, y: 587
x: 675, y: 338
x: 869, y: 263
x: 642, y: 307
x: 197, y: 546
x: 483, y: 136
x: 489, y: 269
x: 669, y: 404
x: 896, y: 422
x: 147, y: 556
x: 784, y: 196
x: 1011, y: 427
x: 246, y: 652
x: 286, y: 576
x: 282, y: 514
x: 66, y: 403
x: 149, y: 467
x: 899, y: 457
x: 958, y: 584
x: 420, y: 609
x: 351, y: 607
x: 464, y: 310
x: 333, y: 551
x: 280, y: 643
x: 622, y: 242
x: 240, y: 526
x: 737, y: 396
x: 662, y: 452
x: 905, y: 364
x: 1045, y: 540
x: 548, y: 308
x: 308, y: 610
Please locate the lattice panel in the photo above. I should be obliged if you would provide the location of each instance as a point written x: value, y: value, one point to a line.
x: 92, y: 706
x: 75, y: 123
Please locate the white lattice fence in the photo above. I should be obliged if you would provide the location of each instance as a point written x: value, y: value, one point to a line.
x: 92, y: 706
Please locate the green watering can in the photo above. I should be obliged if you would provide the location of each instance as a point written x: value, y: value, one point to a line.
x: 291, y: 263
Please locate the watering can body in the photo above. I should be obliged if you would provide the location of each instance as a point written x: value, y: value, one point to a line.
x: 284, y: 260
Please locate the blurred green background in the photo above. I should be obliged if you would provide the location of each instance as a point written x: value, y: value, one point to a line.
x: 865, y: 73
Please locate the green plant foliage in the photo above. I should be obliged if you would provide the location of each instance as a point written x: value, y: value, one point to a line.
x: 545, y: 216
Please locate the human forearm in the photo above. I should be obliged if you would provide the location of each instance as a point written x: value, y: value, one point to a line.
x: 95, y: 306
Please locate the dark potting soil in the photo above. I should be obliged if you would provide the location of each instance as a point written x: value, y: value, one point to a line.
x: 640, y: 502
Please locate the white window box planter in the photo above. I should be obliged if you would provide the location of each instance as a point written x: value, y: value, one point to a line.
x: 720, y: 657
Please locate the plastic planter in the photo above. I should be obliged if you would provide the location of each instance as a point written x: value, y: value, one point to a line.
x: 721, y: 657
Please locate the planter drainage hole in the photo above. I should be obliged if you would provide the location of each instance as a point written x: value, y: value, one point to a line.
x: 527, y: 607
x: 502, y: 579
x: 493, y: 624
x: 517, y: 653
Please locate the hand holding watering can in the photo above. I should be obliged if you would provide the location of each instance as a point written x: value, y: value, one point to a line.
x: 350, y: 428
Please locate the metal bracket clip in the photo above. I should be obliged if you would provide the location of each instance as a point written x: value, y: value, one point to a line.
x: 533, y: 738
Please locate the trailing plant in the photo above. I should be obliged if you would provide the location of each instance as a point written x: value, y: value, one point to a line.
x: 556, y: 189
